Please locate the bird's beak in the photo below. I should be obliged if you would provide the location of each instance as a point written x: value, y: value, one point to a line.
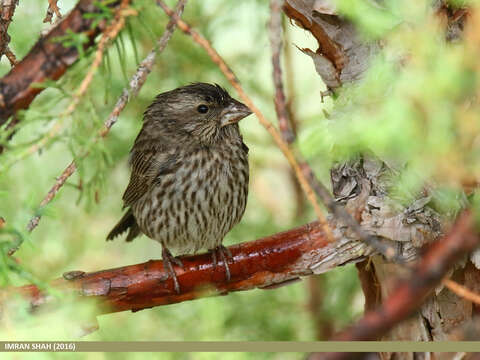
x: 233, y: 113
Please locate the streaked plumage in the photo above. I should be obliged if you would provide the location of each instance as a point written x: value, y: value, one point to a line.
x: 189, y: 172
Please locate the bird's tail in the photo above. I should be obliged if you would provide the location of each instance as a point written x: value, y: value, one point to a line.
x: 126, y: 222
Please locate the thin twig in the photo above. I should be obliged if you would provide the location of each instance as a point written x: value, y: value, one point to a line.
x: 290, y: 109
x: 135, y: 84
x: 60, y: 181
x: 52, y: 9
x: 276, y: 34
x: 6, y: 13
x: 289, y: 76
x: 10, y: 56
x: 277, y: 137
x: 284, y: 113
x: 462, y: 291
x: 108, y: 35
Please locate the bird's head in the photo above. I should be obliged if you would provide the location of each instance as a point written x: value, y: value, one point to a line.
x: 200, y: 112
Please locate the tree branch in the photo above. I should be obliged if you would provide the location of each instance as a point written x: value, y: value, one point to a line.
x: 411, y: 293
x: 108, y: 35
x: 6, y: 13
x: 275, y: 32
x: 266, y: 263
x: 386, y: 249
x: 48, y: 59
x: 52, y: 9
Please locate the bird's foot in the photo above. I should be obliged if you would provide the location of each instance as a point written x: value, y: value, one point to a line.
x: 225, y: 254
x: 168, y: 258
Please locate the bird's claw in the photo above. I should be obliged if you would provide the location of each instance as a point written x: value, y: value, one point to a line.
x: 225, y: 254
x: 168, y: 258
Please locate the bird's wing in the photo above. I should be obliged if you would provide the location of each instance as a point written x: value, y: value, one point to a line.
x: 146, y: 165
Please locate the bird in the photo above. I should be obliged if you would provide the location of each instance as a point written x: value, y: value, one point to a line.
x: 189, y: 174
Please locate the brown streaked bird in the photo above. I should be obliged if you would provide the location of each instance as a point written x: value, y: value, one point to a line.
x: 189, y: 173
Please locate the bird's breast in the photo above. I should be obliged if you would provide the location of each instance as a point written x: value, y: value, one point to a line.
x: 195, y: 206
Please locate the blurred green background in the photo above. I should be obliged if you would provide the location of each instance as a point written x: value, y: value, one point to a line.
x: 416, y: 108
x: 71, y: 235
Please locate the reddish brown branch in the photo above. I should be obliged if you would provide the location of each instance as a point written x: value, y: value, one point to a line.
x: 108, y: 35
x: 410, y: 294
x: 48, y: 59
x: 263, y: 263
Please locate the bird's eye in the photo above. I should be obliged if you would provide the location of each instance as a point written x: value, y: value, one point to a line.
x: 202, y: 109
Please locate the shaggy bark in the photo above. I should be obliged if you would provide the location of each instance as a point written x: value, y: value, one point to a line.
x: 409, y: 294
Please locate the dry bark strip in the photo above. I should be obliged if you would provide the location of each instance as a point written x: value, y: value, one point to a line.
x: 410, y: 294
x: 48, y: 59
x: 341, y: 56
x: 264, y: 263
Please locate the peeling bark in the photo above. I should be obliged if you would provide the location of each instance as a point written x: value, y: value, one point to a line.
x: 341, y: 57
x: 410, y: 293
